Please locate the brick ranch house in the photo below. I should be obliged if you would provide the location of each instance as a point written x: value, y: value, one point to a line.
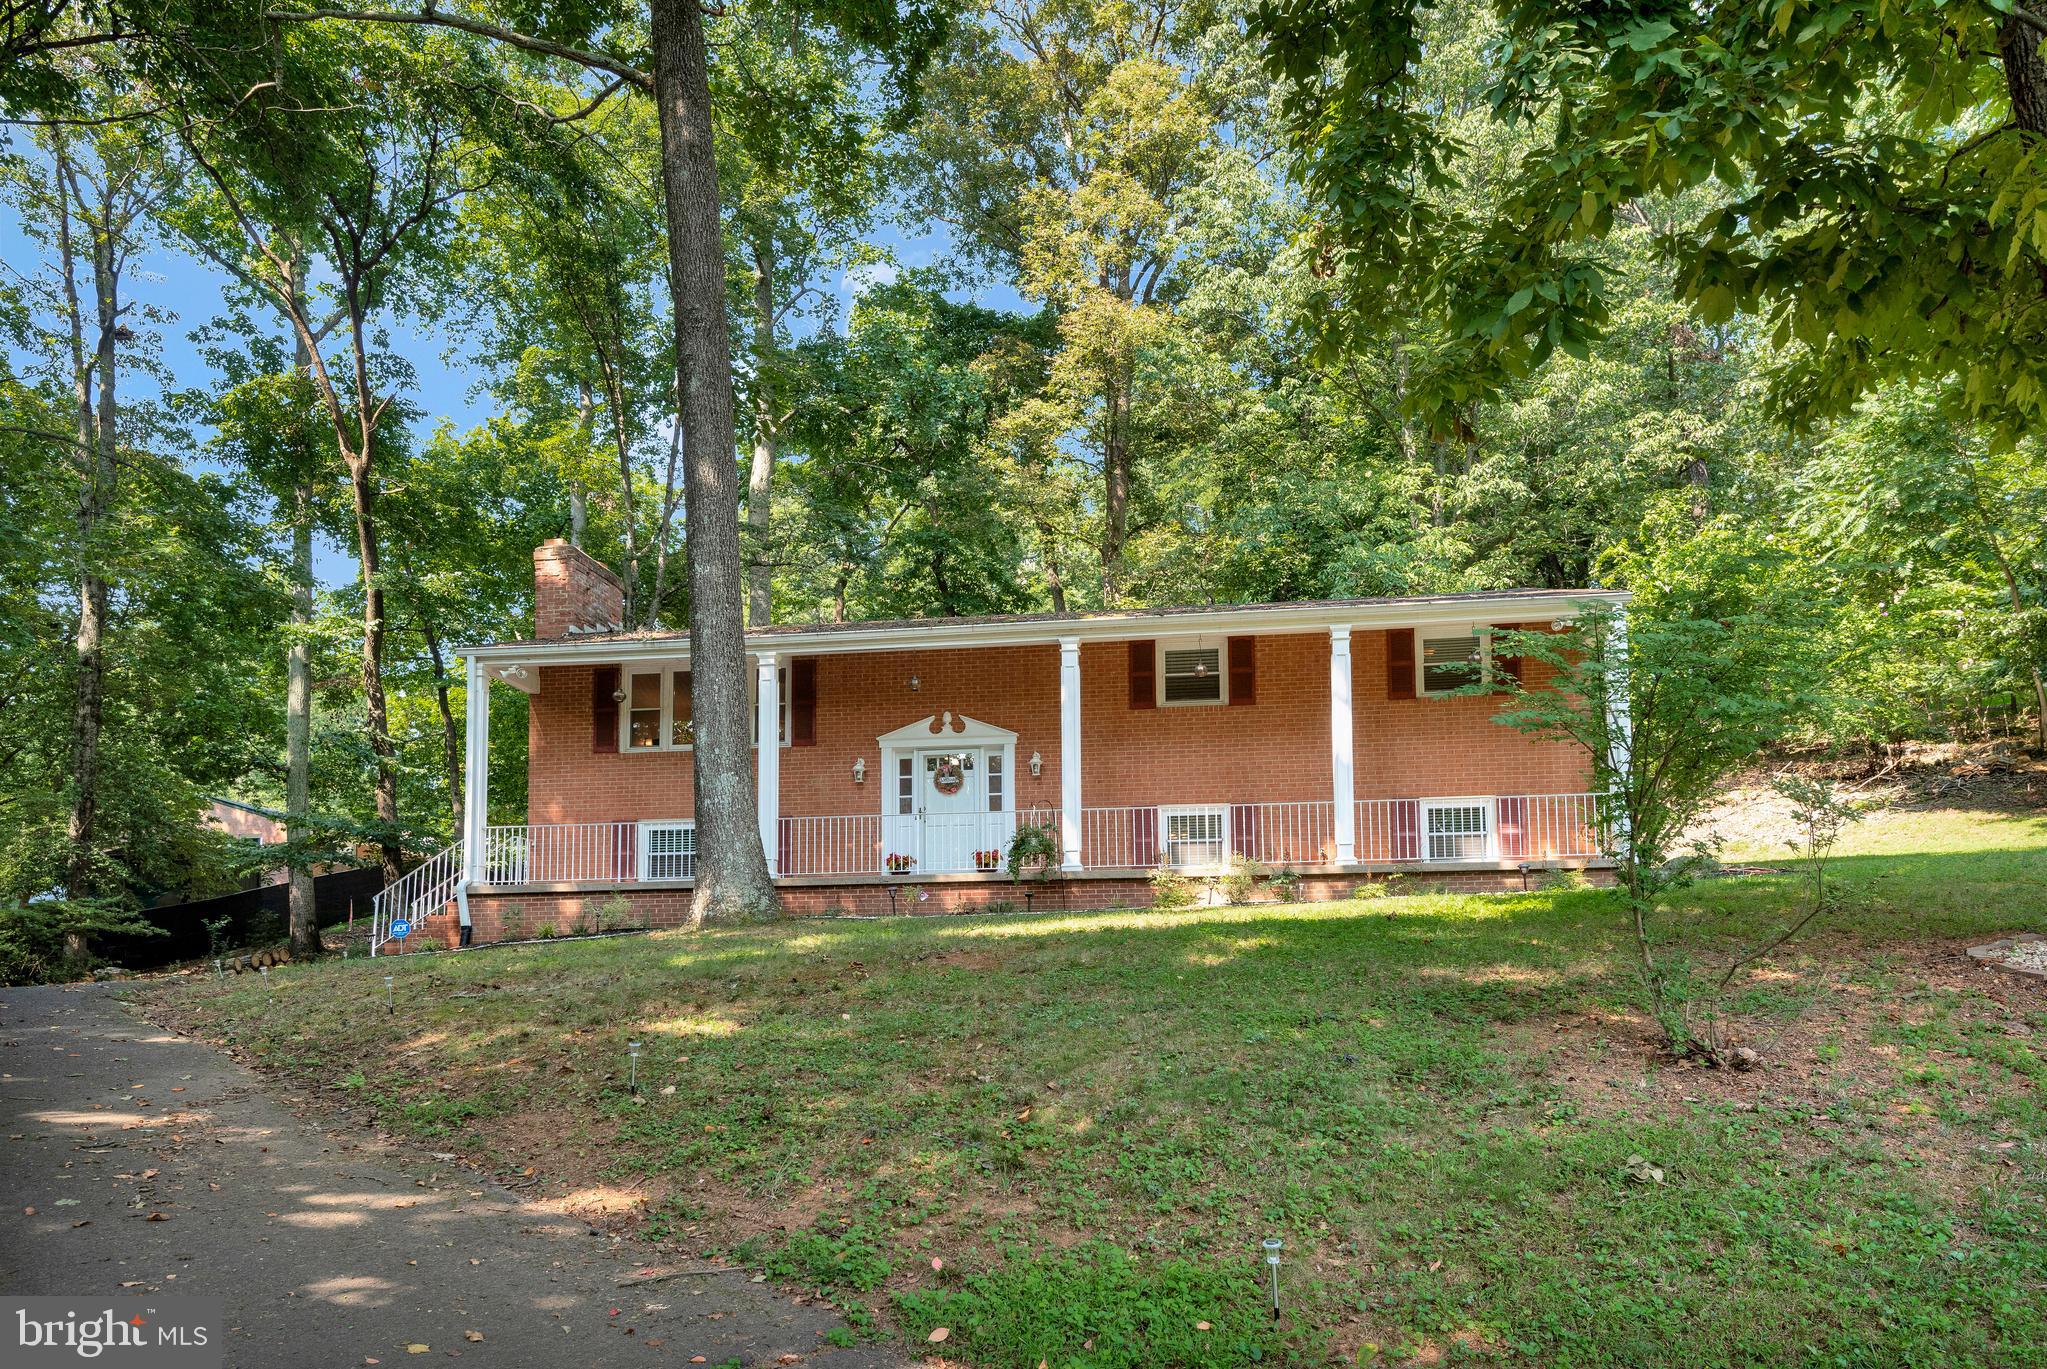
x: 897, y: 759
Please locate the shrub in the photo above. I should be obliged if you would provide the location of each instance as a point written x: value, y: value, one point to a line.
x: 1239, y: 880
x: 615, y: 914
x: 1171, y: 890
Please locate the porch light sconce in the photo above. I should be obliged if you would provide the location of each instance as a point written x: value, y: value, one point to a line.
x: 1037, y: 765
x: 915, y: 683
x: 512, y: 672
x: 618, y: 696
x: 859, y: 770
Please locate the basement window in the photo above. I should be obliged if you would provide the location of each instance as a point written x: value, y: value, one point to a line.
x: 668, y: 850
x: 1458, y: 829
x: 1194, y: 838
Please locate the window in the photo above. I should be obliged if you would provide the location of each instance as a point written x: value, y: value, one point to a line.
x: 906, y: 786
x: 1192, y: 674
x: 1458, y: 829
x: 994, y: 774
x: 682, y: 730
x: 1450, y: 662
x: 1194, y: 838
x: 660, y: 716
x: 668, y: 850
x: 643, y: 712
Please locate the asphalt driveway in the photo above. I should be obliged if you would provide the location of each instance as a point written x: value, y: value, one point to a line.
x: 137, y: 1161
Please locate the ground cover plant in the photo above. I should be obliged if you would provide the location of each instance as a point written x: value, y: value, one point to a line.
x: 1062, y: 1138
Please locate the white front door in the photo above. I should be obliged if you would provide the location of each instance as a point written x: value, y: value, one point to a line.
x: 952, y: 804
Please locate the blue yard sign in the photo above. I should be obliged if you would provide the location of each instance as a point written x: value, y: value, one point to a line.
x: 401, y: 929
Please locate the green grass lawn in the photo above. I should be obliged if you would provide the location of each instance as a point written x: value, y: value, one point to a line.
x: 1092, y: 1120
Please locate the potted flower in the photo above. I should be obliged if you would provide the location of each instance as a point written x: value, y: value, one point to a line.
x: 900, y: 864
x: 987, y: 860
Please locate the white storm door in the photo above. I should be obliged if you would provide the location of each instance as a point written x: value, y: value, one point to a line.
x: 951, y: 808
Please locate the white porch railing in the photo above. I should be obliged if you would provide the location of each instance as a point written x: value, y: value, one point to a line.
x: 561, y: 853
x: 1513, y: 827
x: 425, y: 889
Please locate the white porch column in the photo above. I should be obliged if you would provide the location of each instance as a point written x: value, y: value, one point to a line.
x: 1343, y: 787
x: 475, y: 772
x: 1620, y: 735
x: 768, y: 751
x: 1069, y: 752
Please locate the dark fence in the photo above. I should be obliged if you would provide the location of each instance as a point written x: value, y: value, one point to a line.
x: 255, y: 917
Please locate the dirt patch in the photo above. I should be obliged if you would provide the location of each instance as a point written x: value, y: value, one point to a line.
x: 1826, y: 1070
x: 1995, y: 777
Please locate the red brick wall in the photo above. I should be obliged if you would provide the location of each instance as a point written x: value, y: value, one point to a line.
x: 1275, y: 750
x: 572, y: 588
x: 1422, y: 748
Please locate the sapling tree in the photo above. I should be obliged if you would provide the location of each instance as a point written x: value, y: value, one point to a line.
x: 1716, y: 659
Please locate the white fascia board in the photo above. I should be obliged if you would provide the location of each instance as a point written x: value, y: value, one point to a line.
x: 939, y: 634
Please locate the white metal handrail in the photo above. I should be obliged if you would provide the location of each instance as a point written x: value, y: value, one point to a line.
x: 424, y: 889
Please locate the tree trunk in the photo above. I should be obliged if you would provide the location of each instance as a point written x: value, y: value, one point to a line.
x: 375, y: 711
x: 298, y: 721
x: 760, y: 478
x: 732, y: 871
x: 2025, y: 69
x: 451, y: 739
x: 579, y: 497
x: 302, y: 912
x: 1116, y: 459
x: 97, y: 432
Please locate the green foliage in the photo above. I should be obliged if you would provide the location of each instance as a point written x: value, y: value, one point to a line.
x: 1033, y: 849
x: 32, y: 935
x: 1899, y: 237
x: 1720, y: 656
x: 1170, y: 890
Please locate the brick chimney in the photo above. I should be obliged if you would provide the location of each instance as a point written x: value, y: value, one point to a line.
x: 573, y: 590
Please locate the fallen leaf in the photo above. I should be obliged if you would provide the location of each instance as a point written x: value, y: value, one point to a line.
x: 1434, y: 1265
x: 939, y: 1335
x: 936, y: 1263
x: 417, y: 1348
x: 472, y: 1335
x: 28, y: 1212
x: 156, y: 1217
x: 1024, y: 1116
x: 86, y: 1222
x: 1201, y: 1326
x: 693, y: 1359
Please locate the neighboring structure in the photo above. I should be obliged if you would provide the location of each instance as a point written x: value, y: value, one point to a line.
x: 252, y: 824
x: 1323, y: 738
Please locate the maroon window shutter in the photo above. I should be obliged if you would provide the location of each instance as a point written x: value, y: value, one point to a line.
x: 1144, y: 677
x: 604, y: 710
x: 1400, y: 663
x: 1243, y: 816
x: 785, y: 837
x: 1144, y: 837
x: 803, y: 702
x: 1407, y: 824
x: 1243, y: 670
x: 1513, y: 835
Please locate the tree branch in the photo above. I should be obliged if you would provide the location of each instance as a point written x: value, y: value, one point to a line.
x: 433, y: 18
